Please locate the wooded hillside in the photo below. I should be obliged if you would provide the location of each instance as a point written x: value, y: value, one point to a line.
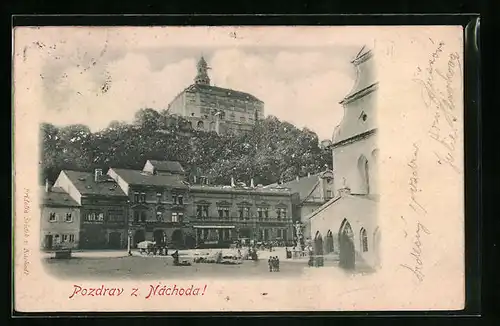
x: 273, y: 149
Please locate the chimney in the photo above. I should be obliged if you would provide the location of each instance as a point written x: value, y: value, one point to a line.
x: 232, y: 182
x: 47, y: 186
x: 97, y: 175
x: 251, y: 183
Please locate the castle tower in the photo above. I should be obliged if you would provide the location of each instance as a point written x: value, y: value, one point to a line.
x: 202, y: 75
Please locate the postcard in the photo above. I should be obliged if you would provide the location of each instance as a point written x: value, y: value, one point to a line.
x: 237, y: 168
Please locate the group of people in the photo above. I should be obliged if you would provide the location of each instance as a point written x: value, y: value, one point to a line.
x: 274, y: 264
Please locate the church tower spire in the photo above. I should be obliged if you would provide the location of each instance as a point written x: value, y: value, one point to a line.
x: 202, y: 75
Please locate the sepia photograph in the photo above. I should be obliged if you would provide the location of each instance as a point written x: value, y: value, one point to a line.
x: 230, y: 154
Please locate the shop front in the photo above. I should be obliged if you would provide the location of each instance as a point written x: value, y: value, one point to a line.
x: 214, y: 236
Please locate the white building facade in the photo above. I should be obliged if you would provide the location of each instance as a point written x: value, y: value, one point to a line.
x: 346, y: 227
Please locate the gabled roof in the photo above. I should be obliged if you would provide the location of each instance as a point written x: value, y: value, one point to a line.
x: 167, y: 166
x: 57, y: 197
x: 362, y: 200
x: 223, y: 92
x: 137, y: 177
x: 86, y: 185
x: 304, y: 186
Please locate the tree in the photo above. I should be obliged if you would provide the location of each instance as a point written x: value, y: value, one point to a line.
x: 273, y: 150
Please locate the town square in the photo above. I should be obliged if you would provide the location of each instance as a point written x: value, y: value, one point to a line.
x: 212, y: 186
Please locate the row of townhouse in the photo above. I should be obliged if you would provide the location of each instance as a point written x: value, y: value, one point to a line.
x: 94, y: 210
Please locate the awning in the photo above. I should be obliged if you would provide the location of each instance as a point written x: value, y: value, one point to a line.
x: 213, y: 226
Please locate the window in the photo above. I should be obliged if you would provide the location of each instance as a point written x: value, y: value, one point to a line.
x: 143, y: 217
x: 52, y: 217
x: 64, y: 238
x: 158, y: 196
x: 364, y: 240
x: 143, y: 197
x: 175, y: 217
x: 92, y: 216
x: 177, y: 199
x: 259, y: 212
x: 136, y: 217
x: 136, y: 197
x: 245, y: 213
x: 201, y: 211
x: 223, y: 211
x: 69, y: 218
x: 266, y: 212
x: 328, y: 194
x: 242, y: 119
x: 71, y: 238
x: 100, y: 217
x: 116, y: 216
x: 281, y: 213
x: 364, y: 174
x: 181, y: 216
x: 159, y: 216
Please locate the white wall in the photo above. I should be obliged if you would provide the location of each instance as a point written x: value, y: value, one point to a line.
x: 351, y: 123
x: 360, y: 213
x: 346, y: 166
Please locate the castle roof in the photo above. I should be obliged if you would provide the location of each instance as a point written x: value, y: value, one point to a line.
x: 223, y: 92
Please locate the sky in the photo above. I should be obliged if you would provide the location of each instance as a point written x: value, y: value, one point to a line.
x: 93, y: 76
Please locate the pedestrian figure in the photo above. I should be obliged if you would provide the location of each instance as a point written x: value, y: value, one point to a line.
x: 277, y: 264
x: 270, y: 263
x: 175, y: 255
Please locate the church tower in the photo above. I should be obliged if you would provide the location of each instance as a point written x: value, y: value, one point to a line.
x: 202, y: 76
x: 354, y: 146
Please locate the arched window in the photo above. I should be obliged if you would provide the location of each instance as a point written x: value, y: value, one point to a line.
x: 364, y: 240
x: 329, y: 242
x: 364, y: 173
x: 200, y: 125
x: 318, y: 244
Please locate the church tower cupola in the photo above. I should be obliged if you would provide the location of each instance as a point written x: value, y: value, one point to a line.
x: 202, y: 75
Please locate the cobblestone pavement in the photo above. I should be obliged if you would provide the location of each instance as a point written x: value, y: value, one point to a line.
x: 137, y: 267
x: 118, y: 265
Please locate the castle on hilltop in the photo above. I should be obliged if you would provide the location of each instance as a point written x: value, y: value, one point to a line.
x: 212, y: 108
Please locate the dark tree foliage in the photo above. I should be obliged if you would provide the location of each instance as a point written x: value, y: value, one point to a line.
x: 274, y: 150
